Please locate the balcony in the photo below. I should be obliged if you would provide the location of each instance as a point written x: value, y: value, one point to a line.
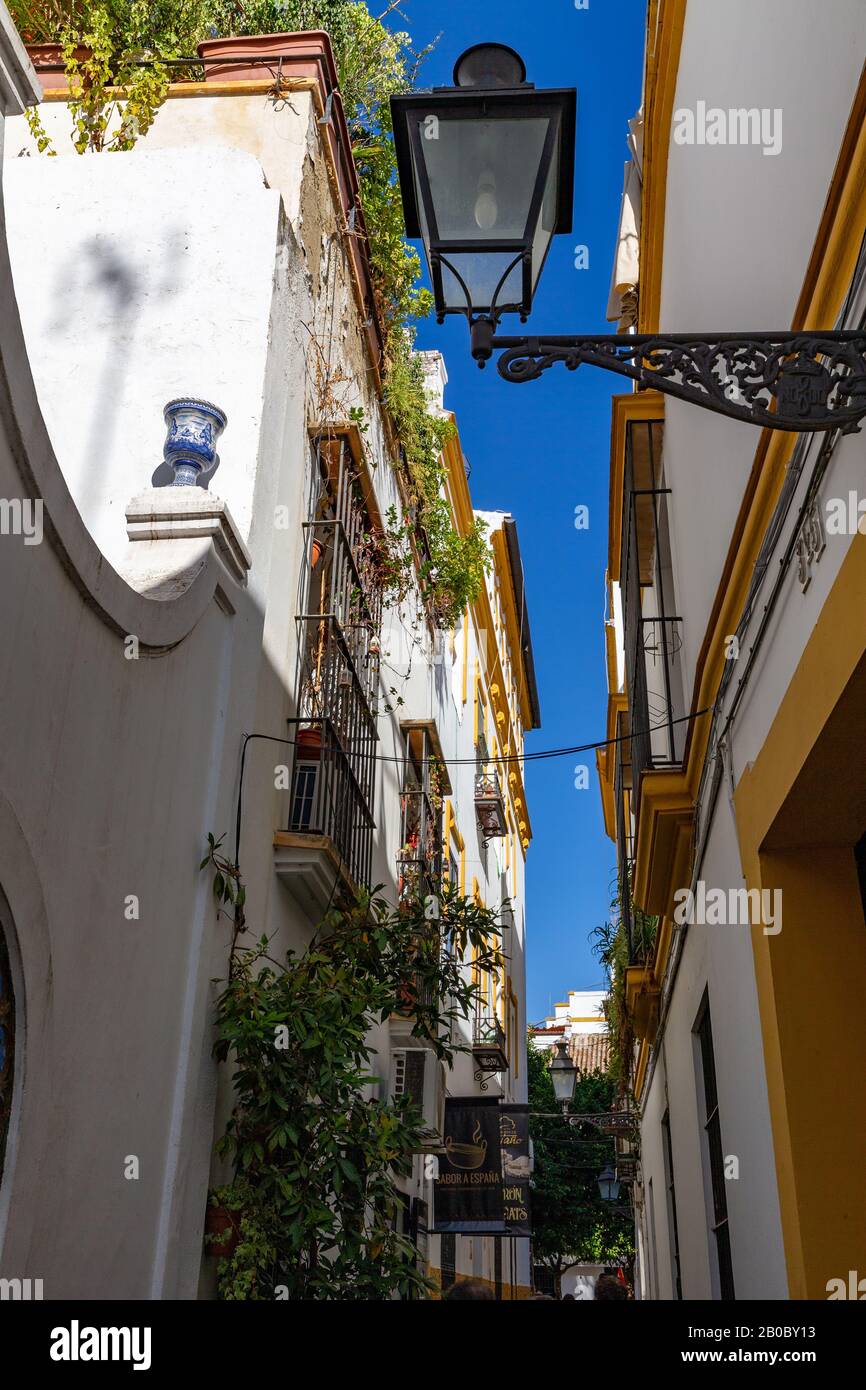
x: 325, y: 850
x: 425, y: 782
x: 416, y: 990
x: 643, y: 998
x: 652, y: 629
x: 489, y: 1044
x: 490, y: 804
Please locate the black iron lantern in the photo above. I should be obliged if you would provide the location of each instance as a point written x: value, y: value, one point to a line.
x: 608, y: 1184
x: 486, y: 172
x: 563, y: 1074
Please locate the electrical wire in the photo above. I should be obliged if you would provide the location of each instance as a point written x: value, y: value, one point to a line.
x: 542, y: 755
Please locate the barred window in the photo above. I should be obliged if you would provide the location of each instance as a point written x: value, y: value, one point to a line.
x: 7, y: 1045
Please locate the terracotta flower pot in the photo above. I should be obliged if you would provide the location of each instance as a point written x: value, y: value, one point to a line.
x: 46, y: 55
x: 316, y: 552
x: 304, y: 55
x: 309, y: 744
x: 224, y: 1225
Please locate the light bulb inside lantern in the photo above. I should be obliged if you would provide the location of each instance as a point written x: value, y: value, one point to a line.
x: 486, y: 206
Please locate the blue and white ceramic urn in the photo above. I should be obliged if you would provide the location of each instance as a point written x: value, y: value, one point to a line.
x: 193, y: 428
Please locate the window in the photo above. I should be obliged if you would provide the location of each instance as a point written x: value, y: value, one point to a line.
x: 420, y: 857
x: 653, y: 629
x: 714, y: 1155
x: 653, y: 1241
x: 448, y: 1260
x: 303, y: 795
x: 338, y: 621
x: 7, y: 1045
x: 860, y: 861
x: 674, y: 1235
x: 453, y: 869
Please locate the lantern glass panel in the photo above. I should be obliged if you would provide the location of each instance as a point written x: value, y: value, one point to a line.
x: 481, y: 273
x: 547, y: 221
x: 482, y: 174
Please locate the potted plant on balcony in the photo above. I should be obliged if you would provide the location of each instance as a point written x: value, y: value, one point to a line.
x: 308, y: 744
x: 255, y: 57
x: 114, y: 97
x: 222, y: 1227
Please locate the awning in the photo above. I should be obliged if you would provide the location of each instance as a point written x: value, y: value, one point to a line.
x: 622, y: 302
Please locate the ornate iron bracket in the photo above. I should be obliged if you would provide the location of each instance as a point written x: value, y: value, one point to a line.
x: 781, y: 381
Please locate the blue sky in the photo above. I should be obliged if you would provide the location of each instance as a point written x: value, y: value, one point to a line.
x: 541, y: 449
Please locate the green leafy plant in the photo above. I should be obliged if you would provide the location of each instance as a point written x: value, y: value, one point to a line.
x: 571, y: 1222
x: 315, y: 1153
x: 611, y: 946
x: 116, y: 84
x: 451, y: 567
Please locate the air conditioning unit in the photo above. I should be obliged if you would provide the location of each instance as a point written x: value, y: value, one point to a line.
x: 418, y: 1073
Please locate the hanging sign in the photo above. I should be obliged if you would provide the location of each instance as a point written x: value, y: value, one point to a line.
x: 467, y: 1191
x: 514, y: 1144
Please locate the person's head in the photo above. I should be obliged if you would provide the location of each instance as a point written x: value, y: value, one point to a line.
x: 569, y: 1298
x: 469, y: 1288
x: 610, y: 1287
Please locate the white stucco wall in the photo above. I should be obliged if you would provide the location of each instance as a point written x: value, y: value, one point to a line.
x: 143, y: 277
x: 739, y: 231
x: 203, y: 262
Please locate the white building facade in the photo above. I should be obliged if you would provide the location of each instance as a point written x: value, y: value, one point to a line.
x: 153, y: 628
x: 581, y: 1013
x: 735, y: 651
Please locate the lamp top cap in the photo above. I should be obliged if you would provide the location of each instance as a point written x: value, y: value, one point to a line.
x: 489, y: 65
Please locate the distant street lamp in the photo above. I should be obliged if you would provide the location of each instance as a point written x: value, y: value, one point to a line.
x: 563, y: 1074
x: 608, y: 1185
x: 486, y: 174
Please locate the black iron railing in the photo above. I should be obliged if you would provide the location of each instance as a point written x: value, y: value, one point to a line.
x: 418, y: 989
x: 624, y: 839
x: 652, y: 633
x: 332, y: 784
x: 489, y: 1044
x: 489, y: 803
x: 330, y: 791
x: 487, y: 1031
x: 419, y: 859
x: 420, y: 855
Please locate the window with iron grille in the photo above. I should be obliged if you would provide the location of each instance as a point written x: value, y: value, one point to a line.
x: 674, y: 1234
x: 652, y: 629
x: 860, y: 861
x: 7, y: 1045
x: 420, y: 856
x: 339, y: 624
x: 714, y: 1154
x: 448, y: 1260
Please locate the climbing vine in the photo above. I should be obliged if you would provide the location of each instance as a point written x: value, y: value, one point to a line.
x: 315, y: 1145
x: 111, y: 53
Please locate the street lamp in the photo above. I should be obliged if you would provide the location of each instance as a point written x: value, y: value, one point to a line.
x: 486, y: 174
x: 608, y: 1185
x: 563, y: 1074
x: 486, y: 170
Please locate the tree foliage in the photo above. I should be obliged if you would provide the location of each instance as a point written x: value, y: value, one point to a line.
x: 315, y: 1149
